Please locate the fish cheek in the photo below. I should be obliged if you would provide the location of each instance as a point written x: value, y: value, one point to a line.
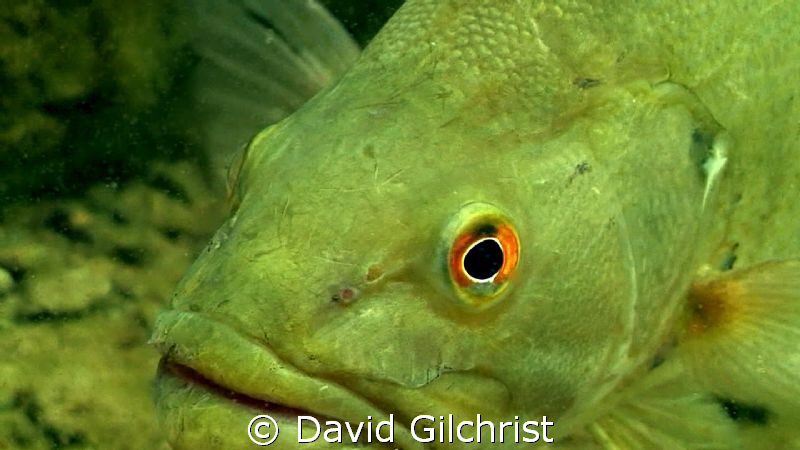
x: 614, y: 218
x: 622, y: 240
x: 557, y: 324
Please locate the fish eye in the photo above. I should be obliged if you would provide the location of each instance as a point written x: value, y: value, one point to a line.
x: 482, y: 255
x: 482, y: 261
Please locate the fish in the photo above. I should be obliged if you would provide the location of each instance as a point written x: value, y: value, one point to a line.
x: 575, y: 210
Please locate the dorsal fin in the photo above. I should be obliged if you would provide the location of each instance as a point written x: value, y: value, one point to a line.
x: 259, y: 61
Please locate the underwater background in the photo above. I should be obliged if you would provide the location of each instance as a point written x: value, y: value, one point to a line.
x: 105, y: 199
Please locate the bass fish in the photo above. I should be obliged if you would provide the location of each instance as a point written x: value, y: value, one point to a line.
x: 579, y: 210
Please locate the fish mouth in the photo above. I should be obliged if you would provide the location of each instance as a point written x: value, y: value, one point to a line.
x: 167, y: 368
x: 198, y: 356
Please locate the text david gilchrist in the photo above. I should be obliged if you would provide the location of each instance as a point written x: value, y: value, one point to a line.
x: 424, y: 428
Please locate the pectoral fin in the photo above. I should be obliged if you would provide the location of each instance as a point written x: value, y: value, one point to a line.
x: 742, y: 339
x: 665, y: 411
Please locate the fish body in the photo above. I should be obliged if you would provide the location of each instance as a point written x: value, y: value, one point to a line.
x: 628, y: 157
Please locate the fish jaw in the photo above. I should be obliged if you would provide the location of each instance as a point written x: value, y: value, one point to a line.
x: 193, y: 344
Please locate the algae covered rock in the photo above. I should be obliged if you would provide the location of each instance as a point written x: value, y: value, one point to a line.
x: 84, y: 279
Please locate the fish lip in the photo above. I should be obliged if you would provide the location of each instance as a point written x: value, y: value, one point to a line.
x: 169, y: 367
x: 198, y: 343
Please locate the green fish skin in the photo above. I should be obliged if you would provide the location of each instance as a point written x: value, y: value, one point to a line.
x: 645, y: 154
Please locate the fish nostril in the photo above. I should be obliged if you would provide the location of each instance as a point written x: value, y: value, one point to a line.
x: 373, y: 273
x: 345, y: 296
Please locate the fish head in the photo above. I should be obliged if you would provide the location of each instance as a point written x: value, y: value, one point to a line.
x: 449, y: 247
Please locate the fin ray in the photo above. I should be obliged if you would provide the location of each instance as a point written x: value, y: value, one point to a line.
x: 744, y: 340
x: 259, y: 61
x: 663, y: 411
x: 323, y: 44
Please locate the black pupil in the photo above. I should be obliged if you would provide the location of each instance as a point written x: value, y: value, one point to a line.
x: 484, y: 259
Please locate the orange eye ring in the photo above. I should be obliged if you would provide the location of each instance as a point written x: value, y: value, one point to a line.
x: 505, y: 238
